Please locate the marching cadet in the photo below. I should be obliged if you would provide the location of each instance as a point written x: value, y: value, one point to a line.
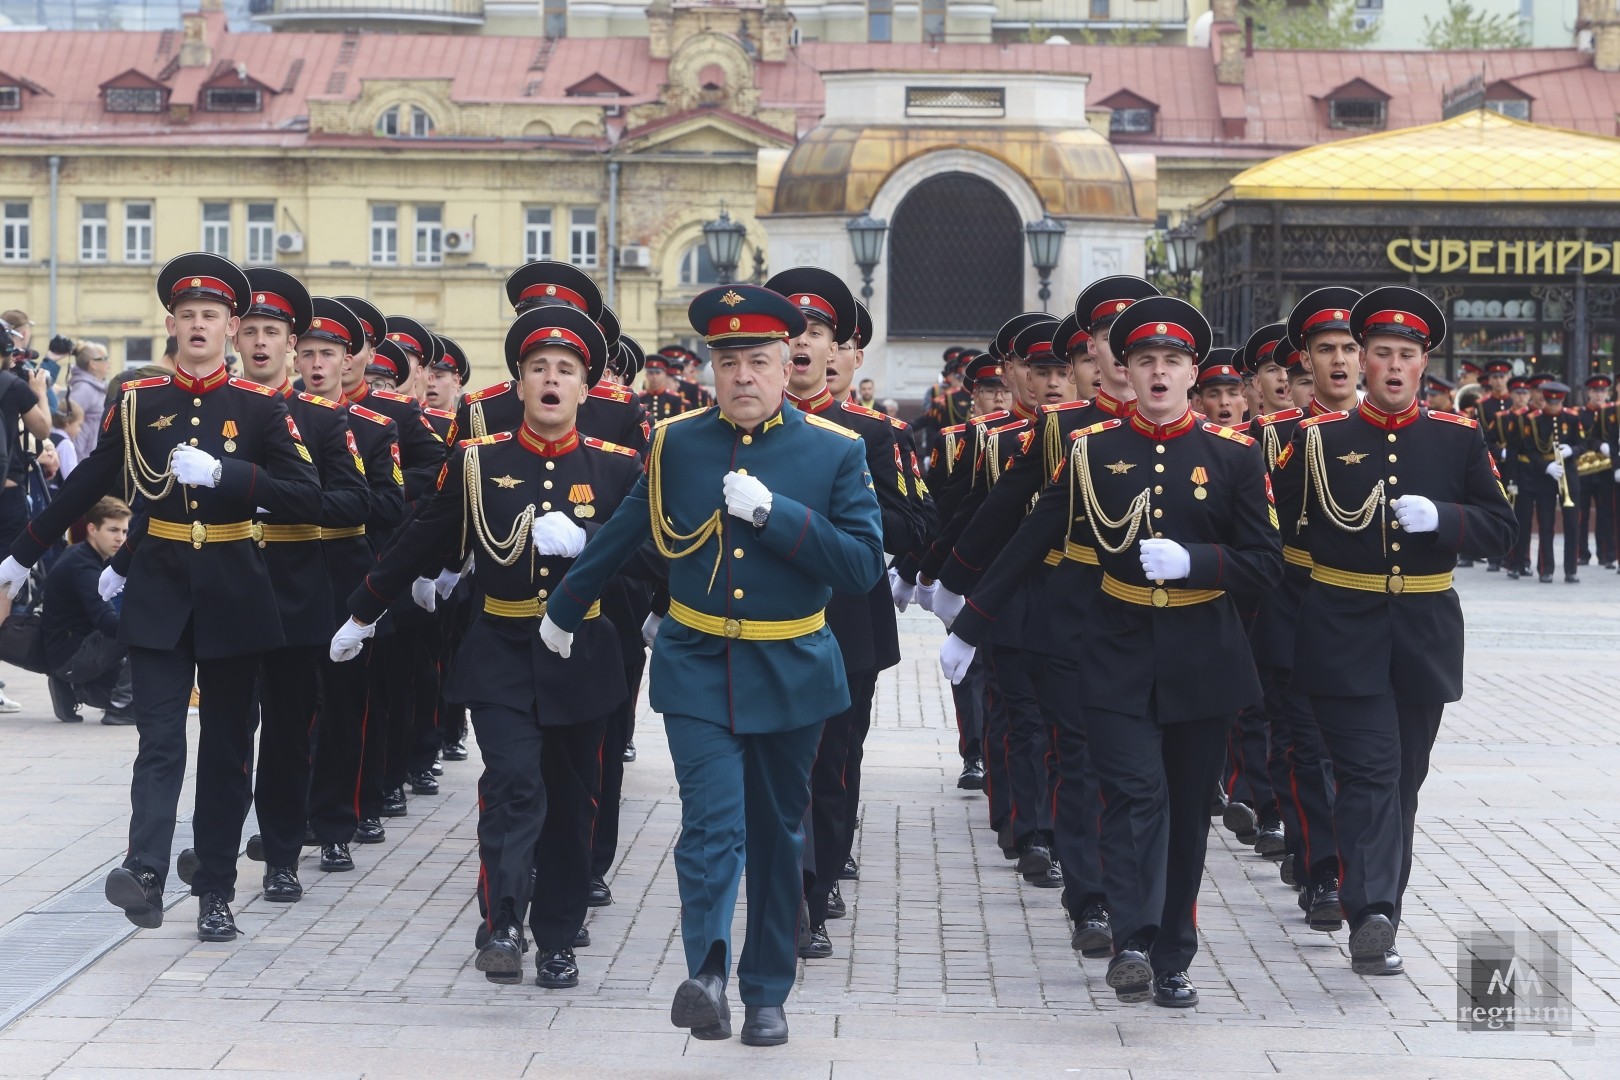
x: 1599, y: 418
x: 421, y: 454
x: 1393, y: 494
x: 745, y: 634
x: 1270, y: 370
x: 658, y: 402
x: 204, y: 451
x: 526, y: 503
x: 1490, y: 412
x: 1548, y: 438
x: 1440, y: 395
x: 949, y: 404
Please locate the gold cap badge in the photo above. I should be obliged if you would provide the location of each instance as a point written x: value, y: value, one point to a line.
x: 259, y: 299
x: 731, y: 299
x: 736, y: 323
x: 1161, y: 328
x: 196, y: 281
x: 551, y: 290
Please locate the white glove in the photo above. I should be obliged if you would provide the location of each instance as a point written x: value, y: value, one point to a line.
x: 744, y: 495
x: 1416, y: 514
x: 1603, y: 448
x: 1165, y: 560
x: 900, y: 589
x: 1555, y: 469
x: 649, y: 629
x: 110, y: 583
x: 12, y: 575
x: 193, y: 467
x: 924, y: 596
x: 954, y: 657
x: 947, y: 605
x: 1565, y: 450
x: 1617, y: 476
x: 555, y: 637
x: 348, y: 639
x: 445, y: 583
x: 554, y: 534
x: 422, y: 592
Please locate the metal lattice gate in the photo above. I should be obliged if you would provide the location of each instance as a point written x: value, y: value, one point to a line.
x: 956, y: 266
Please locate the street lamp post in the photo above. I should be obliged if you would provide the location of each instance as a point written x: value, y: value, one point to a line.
x: 724, y: 239
x: 1183, y: 252
x: 1045, y: 244
x: 866, y: 235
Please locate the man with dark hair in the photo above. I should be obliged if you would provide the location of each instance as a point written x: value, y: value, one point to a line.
x: 80, y: 629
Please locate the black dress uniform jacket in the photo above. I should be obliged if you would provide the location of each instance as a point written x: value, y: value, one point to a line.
x: 376, y: 445
x: 421, y: 452
x: 609, y: 413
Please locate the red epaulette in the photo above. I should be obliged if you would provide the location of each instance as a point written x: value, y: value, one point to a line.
x: 610, y: 393
x: 862, y: 410
x: 897, y: 423
x: 612, y: 448
x: 257, y: 388
x: 1572, y: 412
x: 1014, y: 426
x: 989, y: 417
x: 954, y: 429
x: 366, y: 414
x: 1106, y: 425
x: 1327, y: 417
x: 1454, y: 418
x: 1065, y: 406
x: 440, y: 413
x: 486, y: 393
x: 394, y: 395
x: 316, y: 399
x: 1279, y: 417
x: 1228, y: 433
x: 141, y: 384
x: 484, y: 440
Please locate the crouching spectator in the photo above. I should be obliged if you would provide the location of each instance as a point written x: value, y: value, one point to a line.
x: 80, y: 629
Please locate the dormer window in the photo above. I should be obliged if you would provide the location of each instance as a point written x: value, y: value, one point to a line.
x: 10, y: 98
x: 1358, y: 105
x: 400, y: 121
x: 1508, y: 100
x: 135, y: 99
x: 1130, y: 114
x: 233, y: 99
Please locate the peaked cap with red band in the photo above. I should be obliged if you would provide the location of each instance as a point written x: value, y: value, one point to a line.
x: 1001, y: 346
x: 1223, y: 366
x: 1267, y: 345
x: 1323, y: 309
x: 413, y: 337
x: 388, y: 359
x: 863, y: 326
x: 1101, y: 302
x: 372, y: 323
x: 982, y: 370
x: 1160, y: 322
x: 562, y: 325
x: 819, y: 294
x: 332, y: 320
x: 198, y: 275
x: 744, y: 316
x: 1395, y: 310
x: 452, y: 357
x: 549, y: 283
x: 1070, y: 336
x: 279, y: 295
x: 1036, y: 344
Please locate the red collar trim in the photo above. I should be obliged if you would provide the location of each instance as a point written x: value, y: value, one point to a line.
x: 359, y: 395
x: 1380, y: 419
x: 816, y: 403
x: 285, y: 389
x: 1163, y: 432
x: 1022, y: 413
x: 193, y: 385
x: 536, y: 445
x: 1316, y: 408
x: 1113, y: 406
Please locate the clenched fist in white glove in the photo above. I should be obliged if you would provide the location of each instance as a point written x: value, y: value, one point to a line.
x: 110, y: 584
x: 744, y: 495
x: 947, y: 605
x: 954, y: 657
x: 649, y: 629
x: 1416, y: 514
x: 555, y: 638
x: 445, y: 583
x: 12, y: 575
x: 422, y: 593
x: 349, y: 638
x: 900, y: 589
x: 554, y: 534
x: 1565, y: 450
x: 1555, y: 469
x: 194, y: 467
x: 1165, y: 560
x: 1603, y: 448
x: 924, y: 596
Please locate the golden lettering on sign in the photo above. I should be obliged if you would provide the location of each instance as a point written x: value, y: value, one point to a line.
x: 1489, y: 258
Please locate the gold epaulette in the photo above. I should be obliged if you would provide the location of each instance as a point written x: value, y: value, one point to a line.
x: 828, y: 425
x: 1013, y: 426
x: 1453, y: 418
x: 257, y: 388
x: 1279, y: 417
x: 988, y: 418
x: 394, y: 395
x: 316, y: 399
x: 1064, y: 406
x: 610, y: 393
x: 612, y: 448
x: 1106, y: 425
x: 366, y: 414
x: 440, y: 413
x: 1327, y: 417
x: 668, y: 420
x: 857, y: 407
x: 486, y: 393
x: 1228, y: 433
x: 142, y: 384
x: 484, y: 440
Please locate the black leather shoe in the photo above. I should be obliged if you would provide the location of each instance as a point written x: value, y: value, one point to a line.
x: 139, y: 893
x: 456, y: 751
x: 335, y: 858
x: 599, y: 895
x: 394, y: 802
x: 836, y: 908
x: 1174, y: 990
x: 764, y: 1025
x: 1513, y: 575
x: 186, y: 865
x: 437, y: 768
x: 370, y: 831
x: 1392, y: 964
x: 255, y: 848
x: 1092, y: 937
x: 1370, y: 940
x: 556, y: 970
x: 700, y: 1004
x: 422, y: 783
x: 849, y: 871
x: 1323, y: 911
x: 1217, y: 805
x: 1034, y: 860
x: 1009, y: 847
x: 1130, y: 975
x: 1241, y: 821
x: 1285, y: 870
x: 1546, y: 579
x: 1571, y: 579
x: 972, y: 778
x: 281, y: 885
x: 501, y: 957
x: 820, y: 946
x: 1052, y: 879
x: 582, y: 940
x: 117, y: 718
x: 1270, y: 842
x: 629, y: 754
x: 214, y: 919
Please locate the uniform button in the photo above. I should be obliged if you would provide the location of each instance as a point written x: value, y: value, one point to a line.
x: 195, y: 420
x: 544, y: 594
x: 1158, y: 489
x: 737, y: 554
x: 737, y: 594
x: 748, y: 440
x: 1159, y: 467
x: 1394, y: 569
x: 1391, y: 436
x: 1393, y: 481
x: 193, y: 442
x: 742, y: 472
x: 194, y: 504
x: 1158, y: 448
x: 548, y: 485
x: 545, y: 506
x: 196, y: 401
x: 545, y: 571
x: 1158, y: 513
x: 551, y: 465
x: 1395, y: 546
x: 1392, y: 457
x: 1158, y: 536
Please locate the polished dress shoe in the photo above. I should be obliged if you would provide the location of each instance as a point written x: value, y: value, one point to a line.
x: 255, y: 848
x: 335, y: 858
x: 501, y: 957
x: 456, y: 751
x: 1092, y: 937
x: 1392, y: 965
x: 1285, y: 870
x: 1371, y: 940
x: 972, y: 778
x: 1052, y: 879
x: 1034, y: 860
x: 819, y: 946
x: 1241, y: 821
x: 1571, y: 579
x: 370, y: 830
x: 422, y: 783
x: 437, y: 768
x: 1129, y: 973
x: 1009, y: 846
x: 836, y: 908
x: 1173, y: 990
x: 394, y: 804
x: 1270, y: 842
x: 186, y: 865
x: 582, y: 940
x: 214, y: 919
x: 1322, y: 910
x: 849, y: 871
x: 281, y: 885
x: 139, y: 893
x: 556, y: 970
x: 1546, y: 579
x: 598, y: 894
x: 700, y: 1005
x: 124, y: 717
x: 764, y: 1025
x: 629, y: 754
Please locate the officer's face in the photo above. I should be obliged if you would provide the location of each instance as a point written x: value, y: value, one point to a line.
x: 1271, y: 382
x: 320, y: 365
x: 1223, y: 404
x: 1111, y: 374
x: 202, y: 327
x: 846, y: 359
x: 1551, y: 405
x: 1051, y: 383
x: 354, y: 368
x: 1521, y: 398
x: 442, y: 388
x: 812, y: 353
x: 990, y: 397
x: 1301, y: 388
x: 655, y: 380
x: 1334, y: 360
x: 749, y: 383
x: 1394, y: 368
x: 1163, y: 379
x: 1498, y: 381
x: 551, y: 385
x: 1087, y: 381
x: 1597, y: 395
x: 263, y: 345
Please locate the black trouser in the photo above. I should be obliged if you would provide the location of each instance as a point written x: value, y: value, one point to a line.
x: 1157, y: 781
x: 615, y: 737
x: 1524, y: 511
x: 453, y: 714
x: 1018, y: 674
x: 1549, y: 509
x: 430, y: 667
x: 860, y: 695
x: 289, y: 692
x: 1075, y: 798
x: 829, y: 799
x: 1298, y: 766
x: 968, y: 696
x: 997, y: 781
x: 341, y: 727
x: 413, y: 699
x: 1380, y: 754
x: 389, y: 696
x: 1597, y: 517
x: 162, y: 680
x: 1247, y: 779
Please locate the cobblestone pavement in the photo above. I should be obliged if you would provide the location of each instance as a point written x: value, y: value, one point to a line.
x: 948, y: 966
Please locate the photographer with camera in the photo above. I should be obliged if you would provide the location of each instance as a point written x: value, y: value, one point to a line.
x: 80, y: 629
x: 24, y: 416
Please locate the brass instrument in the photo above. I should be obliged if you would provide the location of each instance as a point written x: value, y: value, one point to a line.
x: 1590, y: 463
x: 1563, y: 489
x: 1549, y: 448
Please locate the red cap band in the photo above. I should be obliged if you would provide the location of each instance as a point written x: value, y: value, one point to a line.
x: 1174, y: 331
x: 554, y: 335
x: 207, y: 284
x: 1394, y: 320
x: 1264, y: 352
x: 814, y: 304
x: 370, y: 333
x: 1326, y: 315
x: 750, y: 326
x: 1225, y: 370
x: 405, y: 341
x: 1080, y: 338
x: 1040, y: 350
x: 330, y: 328
x: 271, y: 300
x: 553, y: 292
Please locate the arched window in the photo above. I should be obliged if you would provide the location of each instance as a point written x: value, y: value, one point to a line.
x: 395, y: 121
x: 388, y: 122
x: 696, y: 269
x: 956, y: 261
x: 421, y: 122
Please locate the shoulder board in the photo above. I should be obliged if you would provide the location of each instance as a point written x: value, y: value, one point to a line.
x: 857, y: 407
x: 366, y: 414
x: 1571, y: 412
x: 141, y: 384
x: 1453, y: 418
x: 1325, y: 418
x: 1227, y: 433
x: 440, y: 413
x: 612, y: 448
x: 896, y: 423
x: 1279, y: 417
x: 610, y: 393
x: 954, y: 429
x: 1064, y: 406
x: 486, y: 440
x: 678, y: 417
x: 828, y: 425
x: 316, y: 399
x: 392, y: 395
x: 257, y: 388
x: 486, y: 393
x: 1106, y: 425
x: 989, y: 417
x: 1014, y: 426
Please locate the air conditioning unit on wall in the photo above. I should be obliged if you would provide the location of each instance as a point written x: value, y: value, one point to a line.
x: 458, y: 241
x: 635, y: 257
x: 289, y: 243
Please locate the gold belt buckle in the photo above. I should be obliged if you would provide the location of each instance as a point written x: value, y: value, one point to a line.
x: 542, y: 612
x: 1395, y: 583
x: 733, y: 628
x: 1161, y: 597
x: 199, y: 534
x: 256, y: 530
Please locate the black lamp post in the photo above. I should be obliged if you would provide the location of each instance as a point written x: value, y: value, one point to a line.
x: 1045, y: 244
x: 724, y: 239
x: 1182, y: 253
x: 866, y: 235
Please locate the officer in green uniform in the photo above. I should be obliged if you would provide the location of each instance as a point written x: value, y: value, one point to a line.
x: 766, y: 512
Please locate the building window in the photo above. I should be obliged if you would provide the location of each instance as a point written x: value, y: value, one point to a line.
x: 388, y: 122
x: 261, y: 233
x: 385, y: 235
x: 1099, y: 9
x: 429, y: 235
x: 933, y: 20
x: 939, y: 219
x: 232, y: 99
x: 1518, y: 108
x: 137, y: 352
x: 138, y: 232
x: 880, y: 20
x: 1355, y: 113
x: 216, y: 228
x: 10, y: 98
x: 16, y: 235
x: 582, y: 236
x: 93, y: 232
x: 421, y: 123
x: 134, y: 99
x: 556, y: 13
x: 696, y: 269
x: 537, y: 233
x: 1131, y: 122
